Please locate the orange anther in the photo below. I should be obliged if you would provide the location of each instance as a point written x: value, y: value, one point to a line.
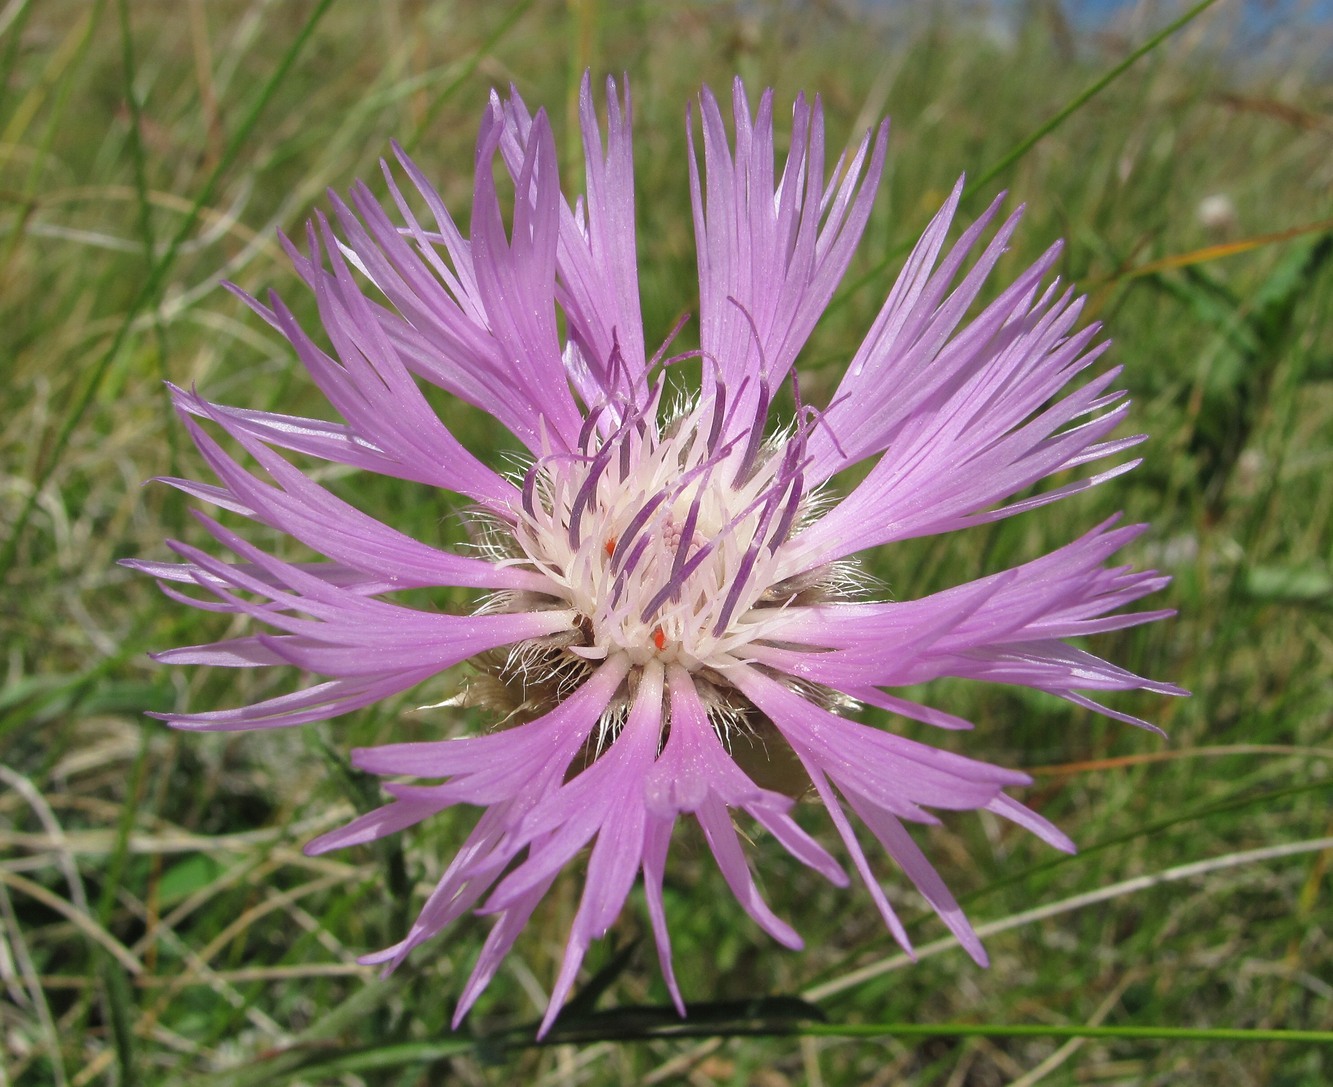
x: 659, y: 638
x: 610, y: 545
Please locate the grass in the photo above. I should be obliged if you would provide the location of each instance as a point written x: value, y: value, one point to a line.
x: 161, y: 925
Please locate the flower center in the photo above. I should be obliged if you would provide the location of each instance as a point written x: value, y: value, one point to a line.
x: 663, y: 539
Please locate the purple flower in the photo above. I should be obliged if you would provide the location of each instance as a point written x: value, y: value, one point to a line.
x: 671, y: 619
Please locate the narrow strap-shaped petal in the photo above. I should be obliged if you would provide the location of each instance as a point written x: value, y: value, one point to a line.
x: 770, y: 256
x: 317, y: 703
x: 656, y: 843
x: 516, y: 281
x: 726, y: 848
x: 695, y: 765
x: 896, y: 773
x: 510, y: 773
x: 316, y: 517
x: 898, y: 843
x: 618, y: 851
x: 596, y: 261
x: 1003, y: 628
x: 859, y: 860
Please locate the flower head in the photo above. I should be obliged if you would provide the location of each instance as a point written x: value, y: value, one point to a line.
x: 669, y: 619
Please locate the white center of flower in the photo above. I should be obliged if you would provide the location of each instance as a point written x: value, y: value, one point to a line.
x: 663, y: 540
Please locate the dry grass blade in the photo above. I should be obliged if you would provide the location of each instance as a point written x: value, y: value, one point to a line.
x: 1068, y: 905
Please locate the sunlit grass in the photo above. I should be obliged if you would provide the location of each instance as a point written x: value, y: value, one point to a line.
x: 161, y: 924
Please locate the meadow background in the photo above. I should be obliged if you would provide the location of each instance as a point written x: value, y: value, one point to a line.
x: 160, y: 924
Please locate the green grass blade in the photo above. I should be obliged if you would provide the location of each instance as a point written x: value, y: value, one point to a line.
x: 1020, y: 149
x: 1084, y: 97
x: 155, y: 280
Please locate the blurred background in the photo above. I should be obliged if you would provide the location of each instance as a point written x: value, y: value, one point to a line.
x: 160, y: 924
